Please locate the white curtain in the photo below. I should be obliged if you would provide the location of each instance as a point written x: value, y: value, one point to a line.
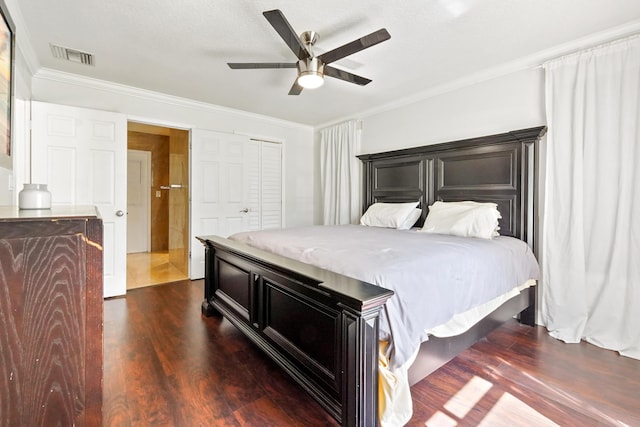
x: 591, y: 226
x: 340, y: 173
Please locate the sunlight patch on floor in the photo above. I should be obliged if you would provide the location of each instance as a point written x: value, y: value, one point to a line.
x: 467, y: 397
x: 510, y: 411
x: 562, y: 396
x: 440, y: 419
x: 461, y: 403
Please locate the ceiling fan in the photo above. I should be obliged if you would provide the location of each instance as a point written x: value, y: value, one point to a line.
x: 312, y: 68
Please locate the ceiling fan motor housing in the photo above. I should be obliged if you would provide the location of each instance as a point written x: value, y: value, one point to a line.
x: 310, y: 66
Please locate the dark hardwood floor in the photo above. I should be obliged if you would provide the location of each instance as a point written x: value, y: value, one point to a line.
x: 165, y: 365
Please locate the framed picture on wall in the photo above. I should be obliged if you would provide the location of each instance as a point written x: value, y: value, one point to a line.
x: 7, y: 53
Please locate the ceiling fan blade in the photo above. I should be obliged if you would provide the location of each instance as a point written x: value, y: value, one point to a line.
x: 295, y: 89
x: 343, y: 75
x: 281, y: 25
x: 253, y: 65
x: 355, y: 46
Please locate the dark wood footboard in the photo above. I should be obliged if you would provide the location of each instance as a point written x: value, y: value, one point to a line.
x: 320, y: 327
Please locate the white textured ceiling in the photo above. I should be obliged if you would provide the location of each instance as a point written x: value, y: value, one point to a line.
x: 181, y: 47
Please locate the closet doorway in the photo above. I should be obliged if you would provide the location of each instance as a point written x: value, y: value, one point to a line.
x: 157, y: 205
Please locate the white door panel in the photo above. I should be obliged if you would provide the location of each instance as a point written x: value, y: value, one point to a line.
x: 138, y: 201
x: 222, y: 169
x: 81, y: 154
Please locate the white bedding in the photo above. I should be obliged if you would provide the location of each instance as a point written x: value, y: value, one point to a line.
x: 462, y: 322
x: 435, y: 277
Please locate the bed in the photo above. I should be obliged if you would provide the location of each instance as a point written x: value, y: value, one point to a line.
x: 322, y: 327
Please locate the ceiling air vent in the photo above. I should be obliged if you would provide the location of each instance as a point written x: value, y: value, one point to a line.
x: 71, y: 55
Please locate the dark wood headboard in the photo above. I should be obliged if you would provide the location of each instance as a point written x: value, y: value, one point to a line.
x: 498, y: 168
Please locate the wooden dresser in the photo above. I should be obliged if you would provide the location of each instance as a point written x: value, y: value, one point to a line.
x: 50, y: 317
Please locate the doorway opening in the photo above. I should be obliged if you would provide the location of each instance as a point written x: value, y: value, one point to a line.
x: 157, y: 205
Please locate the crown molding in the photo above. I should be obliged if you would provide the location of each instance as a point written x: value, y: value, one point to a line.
x: 528, y: 62
x: 120, y: 89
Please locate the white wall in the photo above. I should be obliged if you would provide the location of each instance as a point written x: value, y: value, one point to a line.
x: 149, y: 107
x: 514, y: 101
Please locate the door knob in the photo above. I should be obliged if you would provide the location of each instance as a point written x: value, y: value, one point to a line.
x: 119, y: 213
x: 245, y: 210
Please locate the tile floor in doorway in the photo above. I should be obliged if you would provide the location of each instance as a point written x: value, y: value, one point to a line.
x: 151, y: 268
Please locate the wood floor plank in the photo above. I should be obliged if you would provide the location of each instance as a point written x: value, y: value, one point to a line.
x: 607, y: 386
x: 285, y: 393
x: 263, y: 412
x: 115, y: 409
x: 144, y: 373
x: 165, y: 364
x: 479, y: 388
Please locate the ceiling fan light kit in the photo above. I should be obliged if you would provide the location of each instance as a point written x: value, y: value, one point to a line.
x: 311, y: 68
x: 310, y: 73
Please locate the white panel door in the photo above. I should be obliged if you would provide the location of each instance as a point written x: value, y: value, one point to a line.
x: 82, y: 155
x: 225, y: 189
x: 138, y: 201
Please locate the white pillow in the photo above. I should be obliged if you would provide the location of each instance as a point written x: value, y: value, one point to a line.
x: 411, y: 219
x: 467, y: 219
x: 390, y: 215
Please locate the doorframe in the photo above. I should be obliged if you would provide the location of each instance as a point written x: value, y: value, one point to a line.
x: 178, y: 126
x: 146, y: 155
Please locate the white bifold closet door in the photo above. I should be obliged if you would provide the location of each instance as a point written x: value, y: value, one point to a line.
x: 236, y: 185
x: 270, y: 185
